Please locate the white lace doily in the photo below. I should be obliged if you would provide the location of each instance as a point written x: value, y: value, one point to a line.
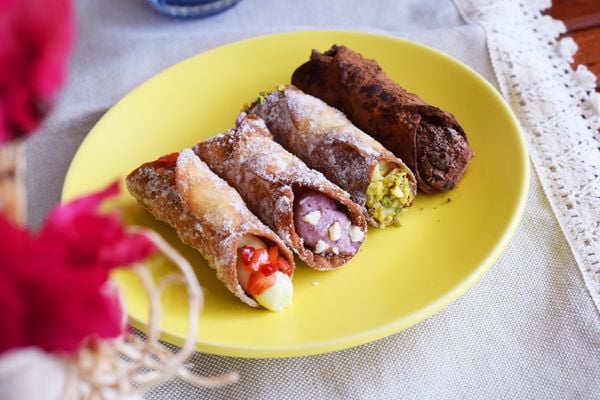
x: 559, y: 111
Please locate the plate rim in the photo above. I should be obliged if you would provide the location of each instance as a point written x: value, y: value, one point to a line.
x: 382, y: 331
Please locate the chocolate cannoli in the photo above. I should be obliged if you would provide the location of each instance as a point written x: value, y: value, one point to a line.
x: 327, y: 141
x: 314, y: 217
x: 210, y: 216
x: 429, y: 140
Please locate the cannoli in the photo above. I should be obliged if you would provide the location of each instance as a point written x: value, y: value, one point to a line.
x: 210, y: 216
x: 327, y: 141
x: 314, y: 217
x: 429, y: 140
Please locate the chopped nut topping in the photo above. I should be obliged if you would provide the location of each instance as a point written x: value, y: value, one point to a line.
x: 335, y: 231
x: 321, y: 247
x: 312, y: 218
x: 356, y: 234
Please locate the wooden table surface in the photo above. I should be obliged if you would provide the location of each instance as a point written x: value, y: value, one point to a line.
x: 582, y: 18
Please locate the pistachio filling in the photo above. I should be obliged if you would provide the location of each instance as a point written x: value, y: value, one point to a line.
x: 388, y: 194
x: 262, y: 98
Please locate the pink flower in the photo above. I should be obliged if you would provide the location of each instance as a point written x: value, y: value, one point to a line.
x: 36, y: 37
x: 54, y: 288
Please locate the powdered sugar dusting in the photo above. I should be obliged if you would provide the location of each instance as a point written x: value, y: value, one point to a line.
x: 267, y: 158
x: 283, y: 204
x: 208, y: 196
x: 204, y: 192
x: 267, y: 175
x: 324, y: 138
x: 207, y: 213
x: 327, y: 124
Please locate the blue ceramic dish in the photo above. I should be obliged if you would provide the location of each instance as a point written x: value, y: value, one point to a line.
x: 191, y: 8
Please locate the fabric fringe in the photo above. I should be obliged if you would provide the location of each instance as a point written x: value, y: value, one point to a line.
x: 559, y: 111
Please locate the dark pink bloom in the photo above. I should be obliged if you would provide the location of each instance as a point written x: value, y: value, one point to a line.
x: 36, y: 37
x: 77, y: 233
x: 13, y: 315
x: 55, y: 285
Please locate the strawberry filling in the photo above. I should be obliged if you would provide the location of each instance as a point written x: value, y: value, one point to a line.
x: 262, y: 263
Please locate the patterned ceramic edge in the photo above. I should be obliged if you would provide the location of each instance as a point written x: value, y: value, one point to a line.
x: 199, y: 10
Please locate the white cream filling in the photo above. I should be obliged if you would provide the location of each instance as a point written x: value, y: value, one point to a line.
x: 278, y: 296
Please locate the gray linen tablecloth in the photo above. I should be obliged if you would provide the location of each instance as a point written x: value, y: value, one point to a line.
x: 528, y: 329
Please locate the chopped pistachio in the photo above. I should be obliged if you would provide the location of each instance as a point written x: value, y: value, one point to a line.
x: 388, y: 193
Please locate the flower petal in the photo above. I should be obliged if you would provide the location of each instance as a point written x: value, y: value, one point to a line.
x: 56, y: 286
x: 86, y: 238
x: 13, y: 315
x: 15, y: 246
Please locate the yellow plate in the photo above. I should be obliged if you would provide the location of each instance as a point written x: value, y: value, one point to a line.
x: 401, y: 276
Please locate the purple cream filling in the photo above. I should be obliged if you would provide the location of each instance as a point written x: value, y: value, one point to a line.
x: 315, y: 201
